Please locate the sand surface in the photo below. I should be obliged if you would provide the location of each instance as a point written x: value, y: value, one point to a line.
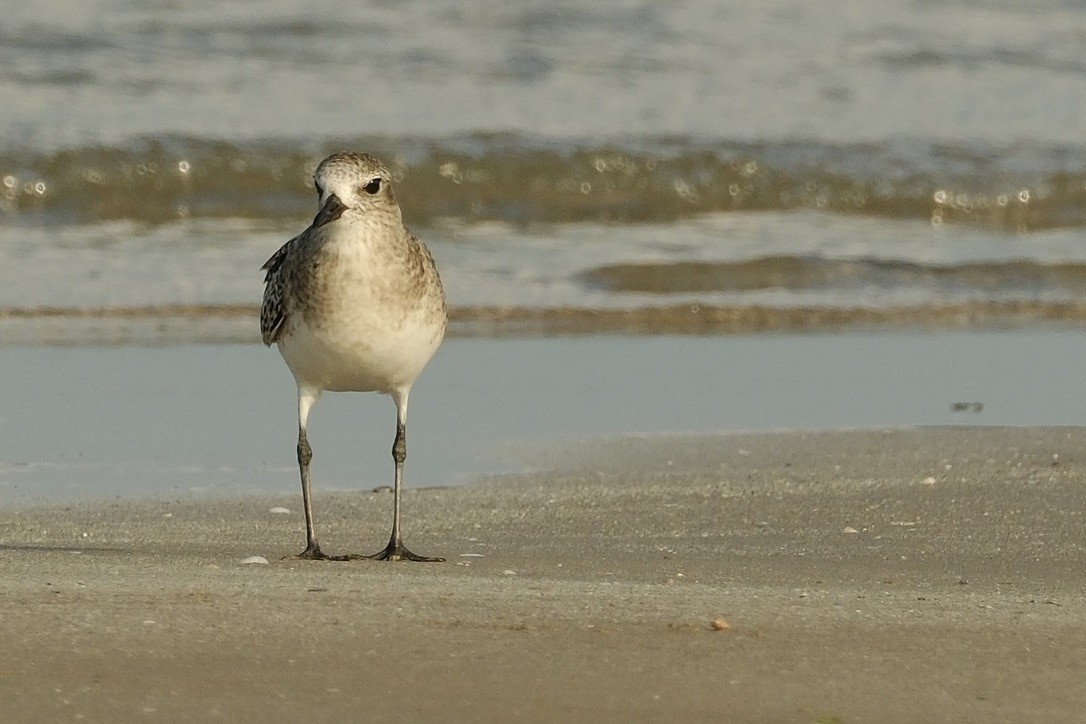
x: 892, y: 576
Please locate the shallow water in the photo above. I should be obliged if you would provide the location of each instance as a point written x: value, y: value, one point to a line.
x: 850, y: 155
x: 846, y: 70
x: 79, y: 423
x: 693, y: 168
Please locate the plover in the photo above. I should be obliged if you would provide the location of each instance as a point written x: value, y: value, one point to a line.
x: 355, y: 304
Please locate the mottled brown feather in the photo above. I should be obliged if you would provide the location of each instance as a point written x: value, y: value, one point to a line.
x: 273, y: 307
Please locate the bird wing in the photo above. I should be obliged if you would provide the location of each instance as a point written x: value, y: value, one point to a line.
x: 273, y: 310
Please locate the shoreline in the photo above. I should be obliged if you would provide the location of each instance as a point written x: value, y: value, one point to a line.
x: 890, y: 575
x: 236, y: 323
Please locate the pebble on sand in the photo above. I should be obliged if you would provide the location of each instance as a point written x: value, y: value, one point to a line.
x: 257, y: 560
x: 719, y: 624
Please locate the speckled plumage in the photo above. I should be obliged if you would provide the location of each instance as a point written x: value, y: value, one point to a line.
x: 354, y: 303
x: 362, y: 264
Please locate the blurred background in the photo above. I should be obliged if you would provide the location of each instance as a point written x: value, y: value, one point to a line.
x: 854, y: 156
x: 626, y: 169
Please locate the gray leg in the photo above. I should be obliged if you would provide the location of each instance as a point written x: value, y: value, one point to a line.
x: 312, y: 551
x: 396, y: 550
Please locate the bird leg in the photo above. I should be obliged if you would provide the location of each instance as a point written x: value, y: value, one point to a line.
x: 396, y: 550
x: 312, y: 550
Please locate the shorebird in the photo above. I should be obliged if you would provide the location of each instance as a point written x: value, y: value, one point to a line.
x: 354, y: 304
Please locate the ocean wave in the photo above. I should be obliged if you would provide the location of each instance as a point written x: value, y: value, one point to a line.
x: 525, y: 180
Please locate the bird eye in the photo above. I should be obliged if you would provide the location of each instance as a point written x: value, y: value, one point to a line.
x: 373, y: 186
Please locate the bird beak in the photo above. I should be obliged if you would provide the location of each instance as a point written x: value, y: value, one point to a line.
x: 333, y: 209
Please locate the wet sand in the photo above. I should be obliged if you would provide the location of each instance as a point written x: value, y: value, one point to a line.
x: 224, y: 323
x: 933, y: 574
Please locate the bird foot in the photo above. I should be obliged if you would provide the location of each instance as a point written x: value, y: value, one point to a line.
x: 396, y: 551
x: 313, y: 552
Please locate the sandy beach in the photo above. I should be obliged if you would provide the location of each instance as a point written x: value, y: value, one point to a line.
x: 671, y: 237
x: 932, y: 574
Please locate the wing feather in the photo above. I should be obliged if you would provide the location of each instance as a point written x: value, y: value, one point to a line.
x: 273, y: 311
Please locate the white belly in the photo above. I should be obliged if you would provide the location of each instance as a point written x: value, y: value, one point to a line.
x: 361, y: 354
